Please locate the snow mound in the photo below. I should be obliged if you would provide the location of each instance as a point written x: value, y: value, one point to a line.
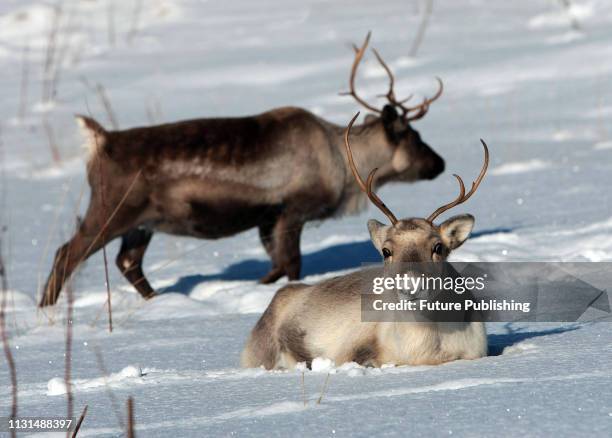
x: 56, y: 386
x: 561, y: 17
x: 323, y: 365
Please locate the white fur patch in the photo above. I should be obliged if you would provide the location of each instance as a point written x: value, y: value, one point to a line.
x: 93, y: 140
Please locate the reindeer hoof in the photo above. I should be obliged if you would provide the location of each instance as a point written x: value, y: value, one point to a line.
x: 272, y: 276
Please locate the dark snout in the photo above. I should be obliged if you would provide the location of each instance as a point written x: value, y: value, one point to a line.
x: 433, y: 167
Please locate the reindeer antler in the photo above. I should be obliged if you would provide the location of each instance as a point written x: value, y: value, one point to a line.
x: 359, y: 52
x: 423, y: 107
x: 365, y: 187
x: 420, y: 109
x: 462, y: 196
x: 391, y: 93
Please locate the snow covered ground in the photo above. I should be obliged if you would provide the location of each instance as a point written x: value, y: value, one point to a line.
x: 516, y: 74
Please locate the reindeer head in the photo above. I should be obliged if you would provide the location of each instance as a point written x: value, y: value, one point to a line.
x: 412, y: 158
x: 417, y: 239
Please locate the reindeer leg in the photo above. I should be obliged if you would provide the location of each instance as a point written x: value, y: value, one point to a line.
x: 134, y: 243
x: 267, y: 240
x: 291, y: 256
x: 265, y: 235
x: 86, y: 241
x: 83, y: 244
x: 286, y: 258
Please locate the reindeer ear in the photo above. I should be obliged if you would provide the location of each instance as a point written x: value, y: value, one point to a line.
x: 378, y: 233
x: 392, y: 123
x: 456, y: 230
x: 389, y: 114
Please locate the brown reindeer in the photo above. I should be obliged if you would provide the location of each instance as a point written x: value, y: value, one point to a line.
x: 212, y: 178
x: 324, y: 320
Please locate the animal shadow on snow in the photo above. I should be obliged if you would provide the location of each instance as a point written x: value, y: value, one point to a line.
x: 334, y: 258
x: 497, y: 342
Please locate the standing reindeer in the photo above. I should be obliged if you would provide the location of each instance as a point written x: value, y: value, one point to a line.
x: 324, y: 320
x: 212, y: 178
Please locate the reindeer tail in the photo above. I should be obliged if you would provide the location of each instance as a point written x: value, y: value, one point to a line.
x: 96, y: 136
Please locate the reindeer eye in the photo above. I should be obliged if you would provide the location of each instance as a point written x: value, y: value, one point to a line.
x: 437, y: 249
x: 386, y: 253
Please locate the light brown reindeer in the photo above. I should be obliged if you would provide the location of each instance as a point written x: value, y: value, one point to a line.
x: 324, y: 320
x: 212, y: 178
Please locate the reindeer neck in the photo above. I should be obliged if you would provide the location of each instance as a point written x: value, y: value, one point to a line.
x: 371, y: 149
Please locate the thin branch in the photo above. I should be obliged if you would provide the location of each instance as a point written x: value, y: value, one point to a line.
x: 103, y: 237
x: 104, y: 256
x: 55, y: 154
x: 52, y: 230
x: 5, y: 341
x: 80, y: 422
x: 4, y: 290
x: 135, y: 21
x: 323, y: 389
x: 130, y: 418
x: 107, y: 106
x: 63, y: 51
x: 422, y: 28
x: 111, y: 396
x: 68, y: 351
x: 51, y: 51
x: 109, y: 392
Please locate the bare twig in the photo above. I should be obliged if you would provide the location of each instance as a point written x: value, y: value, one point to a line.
x: 103, y: 203
x: 51, y: 52
x: 5, y: 341
x: 59, y: 61
x: 55, y: 154
x: 108, y: 221
x: 107, y: 106
x: 422, y: 28
x: 135, y: 21
x: 104, y: 257
x: 79, y: 423
x: 111, y: 396
x: 323, y: 389
x: 108, y: 291
x: 130, y: 418
x: 52, y: 230
x: 68, y: 350
x: 3, y: 229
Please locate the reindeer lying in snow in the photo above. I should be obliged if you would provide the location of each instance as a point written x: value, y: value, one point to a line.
x: 324, y: 320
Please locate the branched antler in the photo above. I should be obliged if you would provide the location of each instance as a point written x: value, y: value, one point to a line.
x: 423, y: 107
x: 365, y: 187
x: 420, y: 109
x: 391, y: 93
x: 462, y: 196
x: 359, y: 52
